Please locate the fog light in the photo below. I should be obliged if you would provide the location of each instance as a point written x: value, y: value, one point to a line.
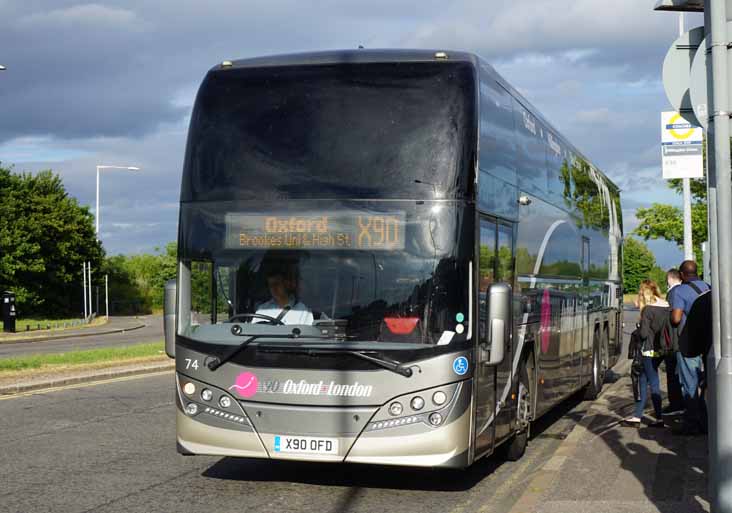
x: 417, y: 403
x: 395, y: 409
x: 435, y: 419
x: 439, y: 398
x: 191, y: 409
x: 224, y: 401
x: 206, y: 394
x: 189, y: 388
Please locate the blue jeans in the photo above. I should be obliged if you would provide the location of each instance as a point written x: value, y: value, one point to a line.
x: 649, y: 376
x: 690, y: 374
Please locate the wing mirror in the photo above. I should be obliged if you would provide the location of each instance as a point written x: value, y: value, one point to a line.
x: 498, y: 317
x: 171, y: 288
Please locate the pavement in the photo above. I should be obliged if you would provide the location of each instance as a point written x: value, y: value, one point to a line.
x: 113, y: 325
x: 603, y: 466
x: 121, y: 331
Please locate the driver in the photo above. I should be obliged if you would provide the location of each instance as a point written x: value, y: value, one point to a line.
x: 284, y: 304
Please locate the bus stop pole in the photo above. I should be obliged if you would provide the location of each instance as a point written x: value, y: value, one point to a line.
x: 83, y: 289
x: 106, y: 296
x: 719, y: 361
x: 88, y: 283
x: 686, y: 186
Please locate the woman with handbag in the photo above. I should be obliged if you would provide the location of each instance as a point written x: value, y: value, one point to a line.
x: 654, y: 312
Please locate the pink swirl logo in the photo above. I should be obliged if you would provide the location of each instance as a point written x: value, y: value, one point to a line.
x: 246, y: 384
x: 546, y: 321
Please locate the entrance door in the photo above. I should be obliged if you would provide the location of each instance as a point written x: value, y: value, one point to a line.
x: 495, y: 264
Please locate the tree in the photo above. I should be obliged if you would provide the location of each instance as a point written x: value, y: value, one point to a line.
x: 45, y: 236
x: 137, y: 282
x: 639, y: 264
x: 661, y: 221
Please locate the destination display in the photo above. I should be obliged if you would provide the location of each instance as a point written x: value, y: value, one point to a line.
x: 343, y: 229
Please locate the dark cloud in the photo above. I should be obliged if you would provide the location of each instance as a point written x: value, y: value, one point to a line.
x: 112, y: 81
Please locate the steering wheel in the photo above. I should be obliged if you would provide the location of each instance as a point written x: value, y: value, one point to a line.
x: 271, y: 320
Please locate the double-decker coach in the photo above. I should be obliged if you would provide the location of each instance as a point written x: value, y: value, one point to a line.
x: 385, y: 257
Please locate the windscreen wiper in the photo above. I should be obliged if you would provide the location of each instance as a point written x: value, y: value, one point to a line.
x: 391, y: 365
x: 216, y: 362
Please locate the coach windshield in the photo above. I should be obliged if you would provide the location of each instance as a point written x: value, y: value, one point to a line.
x: 359, y: 273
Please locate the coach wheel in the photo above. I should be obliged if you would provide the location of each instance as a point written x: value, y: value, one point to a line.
x: 514, y: 448
x: 594, y: 388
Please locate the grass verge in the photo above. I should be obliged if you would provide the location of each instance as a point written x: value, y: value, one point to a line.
x: 57, y: 325
x: 629, y: 299
x: 85, y: 357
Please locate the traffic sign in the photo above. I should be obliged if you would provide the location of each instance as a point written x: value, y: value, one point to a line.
x: 676, y: 68
x: 681, y: 147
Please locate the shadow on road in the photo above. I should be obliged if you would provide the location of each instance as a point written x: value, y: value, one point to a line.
x: 670, y: 468
x: 385, y: 477
x: 352, y: 475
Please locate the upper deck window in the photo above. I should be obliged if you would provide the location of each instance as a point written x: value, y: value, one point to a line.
x: 385, y: 130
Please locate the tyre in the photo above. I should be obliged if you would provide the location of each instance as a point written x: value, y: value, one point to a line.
x: 513, y: 449
x: 593, y: 389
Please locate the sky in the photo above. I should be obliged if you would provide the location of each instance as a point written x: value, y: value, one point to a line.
x: 113, y: 83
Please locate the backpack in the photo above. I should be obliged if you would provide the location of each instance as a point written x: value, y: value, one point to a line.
x: 669, y: 336
x: 695, y: 338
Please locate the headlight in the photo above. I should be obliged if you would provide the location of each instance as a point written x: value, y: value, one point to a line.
x: 439, y: 398
x: 395, y: 409
x: 206, y: 394
x: 417, y: 403
x: 191, y: 409
x: 225, y: 401
x: 435, y: 419
x: 189, y: 388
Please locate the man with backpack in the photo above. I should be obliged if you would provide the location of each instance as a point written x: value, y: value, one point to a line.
x: 673, y: 385
x: 689, y: 367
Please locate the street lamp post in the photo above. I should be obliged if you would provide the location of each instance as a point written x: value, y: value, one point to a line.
x: 99, y: 168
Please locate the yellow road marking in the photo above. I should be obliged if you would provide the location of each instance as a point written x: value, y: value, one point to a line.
x: 83, y: 385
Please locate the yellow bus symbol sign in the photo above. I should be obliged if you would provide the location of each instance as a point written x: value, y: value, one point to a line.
x: 677, y: 135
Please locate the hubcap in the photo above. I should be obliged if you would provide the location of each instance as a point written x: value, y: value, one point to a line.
x: 524, y: 405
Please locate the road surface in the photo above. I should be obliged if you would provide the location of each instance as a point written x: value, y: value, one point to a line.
x: 152, y: 332
x: 111, y: 448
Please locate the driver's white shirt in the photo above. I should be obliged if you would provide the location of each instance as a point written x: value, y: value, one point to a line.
x: 298, y: 313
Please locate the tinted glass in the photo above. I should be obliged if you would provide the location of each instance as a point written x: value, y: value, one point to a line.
x: 561, y: 256
x: 504, y: 254
x: 334, y: 131
x: 407, y: 293
x: 531, y: 151
x: 486, y: 267
x: 497, y: 197
x: 555, y: 159
x: 497, y: 140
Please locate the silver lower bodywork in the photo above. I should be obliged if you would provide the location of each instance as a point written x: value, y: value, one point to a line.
x: 365, y: 434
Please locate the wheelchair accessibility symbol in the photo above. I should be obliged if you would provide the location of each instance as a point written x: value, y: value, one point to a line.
x: 460, y: 365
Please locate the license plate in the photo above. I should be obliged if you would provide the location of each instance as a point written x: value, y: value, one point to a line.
x: 305, y: 444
